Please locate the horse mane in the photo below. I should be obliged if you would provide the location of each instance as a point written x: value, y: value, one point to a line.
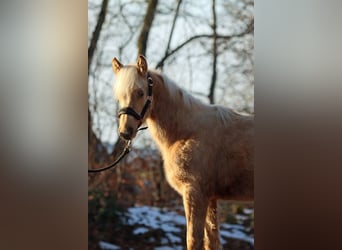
x: 225, y: 115
x: 177, y: 94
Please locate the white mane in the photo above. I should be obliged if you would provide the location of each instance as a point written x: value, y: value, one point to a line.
x: 188, y: 100
x: 126, y: 82
x: 223, y: 114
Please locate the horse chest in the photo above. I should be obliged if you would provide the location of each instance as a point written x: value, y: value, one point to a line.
x: 174, y: 176
x: 178, y: 161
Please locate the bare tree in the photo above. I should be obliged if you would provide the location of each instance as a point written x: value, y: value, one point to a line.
x: 93, y: 141
x: 214, y: 54
x: 211, y: 47
x: 96, y: 32
x: 172, y: 29
x: 248, y: 30
x: 147, y: 24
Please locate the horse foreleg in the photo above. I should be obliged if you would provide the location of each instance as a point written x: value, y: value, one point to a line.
x: 195, y: 211
x: 212, y: 240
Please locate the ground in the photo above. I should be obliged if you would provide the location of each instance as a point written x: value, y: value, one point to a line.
x: 133, y: 207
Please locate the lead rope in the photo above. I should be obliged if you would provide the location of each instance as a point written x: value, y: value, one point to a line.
x: 122, y: 155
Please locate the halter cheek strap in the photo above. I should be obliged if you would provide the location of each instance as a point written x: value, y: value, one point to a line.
x: 132, y: 112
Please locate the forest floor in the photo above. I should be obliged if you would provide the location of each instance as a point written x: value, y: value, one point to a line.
x: 145, y: 227
x: 133, y: 207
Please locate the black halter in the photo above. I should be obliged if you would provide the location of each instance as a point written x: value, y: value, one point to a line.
x: 131, y: 112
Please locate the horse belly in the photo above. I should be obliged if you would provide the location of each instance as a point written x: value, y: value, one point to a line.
x: 235, y: 181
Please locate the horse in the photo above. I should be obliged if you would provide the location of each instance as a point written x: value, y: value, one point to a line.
x: 208, y: 150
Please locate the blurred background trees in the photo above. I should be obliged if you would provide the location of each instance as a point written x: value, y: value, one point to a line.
x: 204, y: 46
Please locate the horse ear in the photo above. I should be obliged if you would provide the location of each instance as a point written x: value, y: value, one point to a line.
x: 142, y: 64
x: 116, y: 65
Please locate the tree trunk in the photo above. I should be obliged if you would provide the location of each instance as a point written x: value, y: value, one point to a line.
x: 145, y: 30
x: 96, y: 32
x: 95, y: 147
x: 211, y: 95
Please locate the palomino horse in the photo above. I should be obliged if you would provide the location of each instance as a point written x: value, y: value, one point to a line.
x: 208, y: 150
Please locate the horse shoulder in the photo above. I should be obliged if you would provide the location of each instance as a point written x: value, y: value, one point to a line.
x: 179, y: 161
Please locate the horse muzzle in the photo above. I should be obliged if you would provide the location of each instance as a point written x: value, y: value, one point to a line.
x: 127, y: 133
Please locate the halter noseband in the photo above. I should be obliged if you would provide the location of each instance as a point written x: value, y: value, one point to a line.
x: 131, y: 112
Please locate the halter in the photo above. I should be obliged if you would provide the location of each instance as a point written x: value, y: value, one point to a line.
x: 132, y: 112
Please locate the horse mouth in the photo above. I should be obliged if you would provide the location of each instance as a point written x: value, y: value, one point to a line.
x: 125, y: 136
x: 128, y: 133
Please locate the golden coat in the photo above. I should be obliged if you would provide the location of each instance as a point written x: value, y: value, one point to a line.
x: 208, y: 150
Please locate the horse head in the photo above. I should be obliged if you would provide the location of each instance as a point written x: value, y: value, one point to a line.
x: 133, y: 90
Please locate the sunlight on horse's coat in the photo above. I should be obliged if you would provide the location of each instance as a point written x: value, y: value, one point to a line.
x: 208, y: 150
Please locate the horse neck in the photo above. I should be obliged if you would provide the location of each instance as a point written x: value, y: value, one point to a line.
x: 166, y: 120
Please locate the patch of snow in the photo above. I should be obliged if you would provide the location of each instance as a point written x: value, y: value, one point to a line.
x: 241, y: 217
x: 107, y: 246
x: 140, y: 230
x: 155, y: 218
x: 173, y: 239
x: 248, y: 210
x: 226, y: 226
x: 170, y: 222
x: 222, y: 240
x: 169, y: 248
x: 170, y: 227
x: 235, y: 232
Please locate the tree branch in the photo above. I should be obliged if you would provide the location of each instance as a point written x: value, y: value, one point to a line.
x: 173, y: 27
x: 249, y: 29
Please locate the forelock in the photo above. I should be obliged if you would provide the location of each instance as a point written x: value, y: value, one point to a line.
x: 126, y: 80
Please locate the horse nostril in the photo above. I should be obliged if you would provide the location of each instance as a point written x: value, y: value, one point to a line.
x: 127, y: 134
x: 130, y: 130
x: 124, y: 136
